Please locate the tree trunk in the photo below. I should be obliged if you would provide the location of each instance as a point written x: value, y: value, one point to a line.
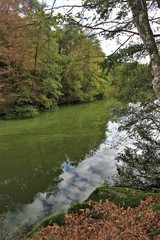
x: 140, y: 18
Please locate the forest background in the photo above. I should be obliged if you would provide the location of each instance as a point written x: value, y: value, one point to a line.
x: 48, y: 59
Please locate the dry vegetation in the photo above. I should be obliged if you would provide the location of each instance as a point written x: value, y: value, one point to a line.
x: 107, y: 221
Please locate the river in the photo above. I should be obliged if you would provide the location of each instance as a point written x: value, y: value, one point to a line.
x: 52, y: 161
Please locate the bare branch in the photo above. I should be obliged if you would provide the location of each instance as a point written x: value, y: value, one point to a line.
x: 122, y: 44
x: 110, y: 31
x: 64, y: 6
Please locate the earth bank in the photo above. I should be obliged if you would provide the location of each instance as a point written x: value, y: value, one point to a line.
x: 108, y: 213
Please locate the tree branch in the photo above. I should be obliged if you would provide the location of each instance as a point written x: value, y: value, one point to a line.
x: 122, y: 44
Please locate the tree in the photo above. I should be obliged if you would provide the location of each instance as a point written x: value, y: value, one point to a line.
x: 48, y: 74
x: 81, y: 78
x: 28, y: 66
x: 13, y: 46
x: 130, y: 82
x: 113, y: 19
x: 141, y: 20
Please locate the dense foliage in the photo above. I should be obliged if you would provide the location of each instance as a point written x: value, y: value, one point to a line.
x: 130, y: 82
x: 44, y: 63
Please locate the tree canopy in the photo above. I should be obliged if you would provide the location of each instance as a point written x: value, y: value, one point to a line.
x: 44, y: 61
x: 127, y: 21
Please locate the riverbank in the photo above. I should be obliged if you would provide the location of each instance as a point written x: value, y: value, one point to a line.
x: 126, y: 209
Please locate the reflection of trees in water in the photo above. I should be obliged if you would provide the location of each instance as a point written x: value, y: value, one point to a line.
x: 26, y: 181
x: 23, y: 188
x: 140, y: 165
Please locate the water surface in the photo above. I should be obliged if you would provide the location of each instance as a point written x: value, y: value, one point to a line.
x: 50, y: 162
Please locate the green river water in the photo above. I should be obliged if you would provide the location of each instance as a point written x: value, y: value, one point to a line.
x: 50, y: 162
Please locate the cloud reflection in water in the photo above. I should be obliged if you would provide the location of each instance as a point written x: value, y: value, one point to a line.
x: 76, y: 183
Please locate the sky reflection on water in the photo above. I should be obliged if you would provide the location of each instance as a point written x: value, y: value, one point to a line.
x: 75, y: 184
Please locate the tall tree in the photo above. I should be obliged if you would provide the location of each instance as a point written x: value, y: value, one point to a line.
x: 141, y: 20
x: 26, y: 48
x: 80, y: 58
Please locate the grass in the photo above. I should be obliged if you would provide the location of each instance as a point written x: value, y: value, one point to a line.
x: 126, y: 197
x: 59, y: 219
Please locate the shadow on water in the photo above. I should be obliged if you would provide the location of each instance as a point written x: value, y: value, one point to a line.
x: 49, y: 163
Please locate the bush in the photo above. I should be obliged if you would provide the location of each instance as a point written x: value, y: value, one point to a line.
x: 25, y: 112
x: 18, y: 112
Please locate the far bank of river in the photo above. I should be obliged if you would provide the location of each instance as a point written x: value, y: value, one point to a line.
x: 53, y: 161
